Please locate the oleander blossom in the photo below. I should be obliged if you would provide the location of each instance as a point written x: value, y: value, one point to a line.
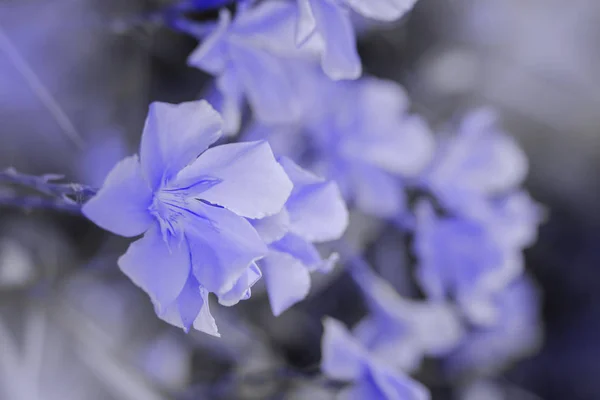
x: 517, y: 332
x: 462, y: 259
x: 368, y: 144
x: 403, y: 331
x: 251, y: 55
x: 328, y: 23
x: 191, y: 204
x: 474, y: 249
x: 478, y: 162
x: 344, y: 358
x: 315, y: 212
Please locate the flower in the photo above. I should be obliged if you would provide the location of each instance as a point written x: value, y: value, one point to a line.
x: 516, y: 332
x: 401, y: 330
x: 366, y: 144
x: 251, y: 55
x: 345, y: 359
x: 461, y: 258
x: 479, y: 162
x: 315, y: 212
x: 191, y: 204
x: 328, y: 22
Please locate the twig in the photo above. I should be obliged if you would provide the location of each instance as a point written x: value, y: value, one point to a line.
x: 40, y: 90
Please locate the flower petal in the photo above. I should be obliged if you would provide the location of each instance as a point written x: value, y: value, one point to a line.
x: 242, y: 288
x: 272, y: 228
x: 266, y: 82
x: 121, y: 205
x: 405, y: 148
x: 160, y: 269
x: 306, y: 24
x: 376, y: 192
x: 222, y: 247
x: 287, y: 280
x: 342, y: 356
x: 319, y: 213
x: 174, y: 135
x: 340, y: 58
x: 191, y: 303
x: 300, y: 249
x: 252, y: 185
x: 232, y: 100
x: 211, y: 55
x: 316, y: 207
x: 205, y: 322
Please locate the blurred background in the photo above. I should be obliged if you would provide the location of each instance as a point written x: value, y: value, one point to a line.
x: 76, y: 78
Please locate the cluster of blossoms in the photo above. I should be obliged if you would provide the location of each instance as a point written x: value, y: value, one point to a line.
x: 217, y: 218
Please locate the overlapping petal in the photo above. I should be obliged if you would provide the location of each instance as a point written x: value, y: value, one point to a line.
x: 287, y: 280
x: 299, y: 248
x: 211, y: 55
x: 121, y: 205
x: 316, y: 208
x: 342, y: 357
x: 479, y: 161
x: 241, y: 290
x: 160, y: 269
x: 222, y: 247
x: 252, y: 185
x: 174, y: 135
x: 185, y: 311
x: 376, y: 192
x: 339, y: 58
x: 266, y: 83
x: 274, y: 227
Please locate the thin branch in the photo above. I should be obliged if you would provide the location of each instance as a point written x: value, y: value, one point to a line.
x: 40, y: 90
x: 39, y: 203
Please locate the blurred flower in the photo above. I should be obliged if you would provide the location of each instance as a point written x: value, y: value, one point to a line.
x: 250, y: 56
x: 479, y: 161
x: 366, y: 143
x: 461, y: 258
x: 329, y: 22
x: 345, y: 359
x: 192, y: 212
x: 403, y: 331
x: 515, y: 333
x: 314, y: 212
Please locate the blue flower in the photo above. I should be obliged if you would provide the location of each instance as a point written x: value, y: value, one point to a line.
x: 480, y: 161
x: 191, y: 204
x: 516, y: 332
x: 345, y: 359
x: 366, y: 143
x: 513, y: 219
x: 465, y: 259
x: 328, y: 23
x: 315, y: 212
x: 251, y: 56
x: 403, y: 331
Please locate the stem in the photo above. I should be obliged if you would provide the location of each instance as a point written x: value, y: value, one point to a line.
x: 44, y: 184
x: 39, y: 203
x: 64, y: 197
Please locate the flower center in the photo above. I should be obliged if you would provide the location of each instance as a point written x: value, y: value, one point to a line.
x: 169, y: 207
